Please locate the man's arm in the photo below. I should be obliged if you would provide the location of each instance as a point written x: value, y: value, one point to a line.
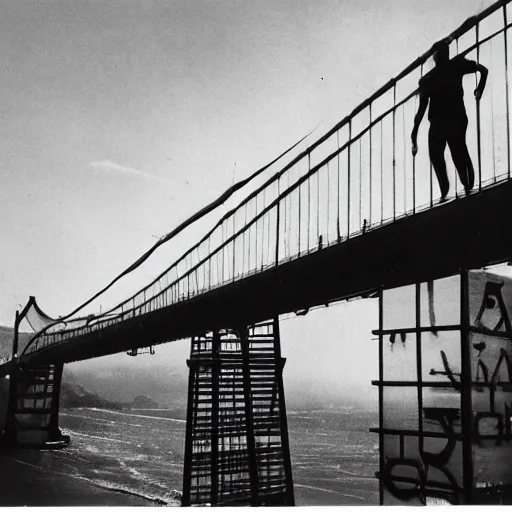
x: 417, y: 121
x: 483, y: 79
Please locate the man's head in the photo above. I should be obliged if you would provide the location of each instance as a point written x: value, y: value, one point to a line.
x: 441, y: 52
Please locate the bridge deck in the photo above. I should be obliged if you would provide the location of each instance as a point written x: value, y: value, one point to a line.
x: 469, y: 232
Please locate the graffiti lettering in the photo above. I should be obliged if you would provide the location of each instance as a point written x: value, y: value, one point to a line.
x: 492, y: 294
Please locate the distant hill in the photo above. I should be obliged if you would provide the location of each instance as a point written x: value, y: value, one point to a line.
x: 143, y: 402
x: 73, y: 394
x: 122, y: 384
x: 6, y: 339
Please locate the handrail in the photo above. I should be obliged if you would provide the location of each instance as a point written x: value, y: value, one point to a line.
x: 465, y: 26
x: 280, y: 196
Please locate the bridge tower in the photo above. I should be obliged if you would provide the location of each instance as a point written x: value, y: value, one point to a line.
x: 33, y: 411
x: 236, y: 448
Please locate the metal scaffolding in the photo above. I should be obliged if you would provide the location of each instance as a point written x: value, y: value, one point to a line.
x: 236, y: 448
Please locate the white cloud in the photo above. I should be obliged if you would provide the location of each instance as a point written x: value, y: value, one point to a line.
x: 113, y: 167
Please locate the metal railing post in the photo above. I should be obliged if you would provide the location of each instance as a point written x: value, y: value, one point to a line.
x: 478, y: 127
x: 507, y: 109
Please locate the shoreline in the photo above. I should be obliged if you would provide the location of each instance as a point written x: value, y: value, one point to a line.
x: 25, y: 484
x: 111, y: 488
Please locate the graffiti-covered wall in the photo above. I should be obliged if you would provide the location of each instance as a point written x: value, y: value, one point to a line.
x: 490, y: 306
x: 445, y: 351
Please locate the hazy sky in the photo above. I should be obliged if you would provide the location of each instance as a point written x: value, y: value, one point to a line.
x: 119, y: 119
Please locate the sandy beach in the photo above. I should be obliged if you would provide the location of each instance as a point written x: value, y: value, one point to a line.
x: 26, y: 484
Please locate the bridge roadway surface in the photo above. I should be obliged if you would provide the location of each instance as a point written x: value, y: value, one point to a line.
x: 466, y: 233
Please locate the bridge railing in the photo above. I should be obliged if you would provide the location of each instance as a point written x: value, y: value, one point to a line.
x: 358, y: 177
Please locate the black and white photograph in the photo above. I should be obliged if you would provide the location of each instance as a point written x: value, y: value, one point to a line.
x: 255, y: 253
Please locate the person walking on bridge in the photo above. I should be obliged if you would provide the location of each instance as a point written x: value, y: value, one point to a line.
x: 442, y: 87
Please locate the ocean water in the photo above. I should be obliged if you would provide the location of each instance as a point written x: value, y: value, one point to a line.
x: 334, y: 456
x: 140, y: 451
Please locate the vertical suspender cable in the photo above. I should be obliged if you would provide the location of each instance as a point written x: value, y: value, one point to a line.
x: 216, y: 280
x: 404, y: 166
x: 196, y: 271
x: 225, y: 253
x: 190, y: 276
x: 264, y: 233
x: 317, y: 206
x: 285, y: 225
x: 381, y: 173
x: 338, y: 193
x: 269, y: 237
x: 255, y: 226
x: 506, y: 87
x: 309, y: 203
x: 454, y: 170
x: 414, y: 163
x: 349, y: 148
x: 478, y: 134
x: 360, y: 142
x: 204, y: 274
x: 300, y: 220
x: 328, y: 201
x: 394, y: 152
x: 262, y: 220
x: 370, y: 168
x: 217, y: 260
x: 278, y: 219
x: 243, y: 239
x: 289, y: 196
x: 234, y: 244
x: 267, y: 216
x: 492, y: 124
x: 223, y: 250
x: 186, y: 284
x: 248, y: 244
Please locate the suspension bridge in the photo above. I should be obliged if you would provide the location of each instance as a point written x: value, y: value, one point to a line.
x: 352, y: 214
